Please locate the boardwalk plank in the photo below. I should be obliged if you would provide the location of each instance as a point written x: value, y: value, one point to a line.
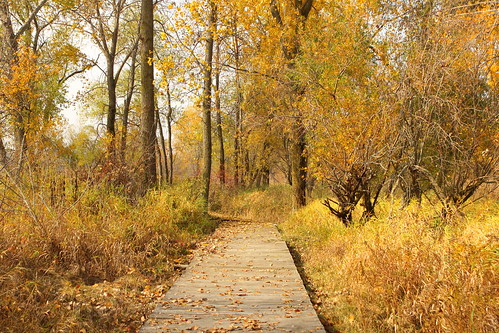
x: 248, y: 283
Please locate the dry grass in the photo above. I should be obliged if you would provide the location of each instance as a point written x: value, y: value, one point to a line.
x: 401, y: 272
x: 96, y: 266
x: 272, y: 204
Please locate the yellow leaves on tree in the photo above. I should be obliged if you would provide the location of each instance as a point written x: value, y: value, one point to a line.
x: 19, y: 83
x: 189, y: 137
x: 22, y: 98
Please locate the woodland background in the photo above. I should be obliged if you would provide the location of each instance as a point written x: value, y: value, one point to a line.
x: 367, y: 129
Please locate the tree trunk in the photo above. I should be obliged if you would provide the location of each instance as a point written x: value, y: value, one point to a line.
x: 207, y: 81
x: 291, y: 48
x: 238, y: 151
x: 163, y: 156
x: 237, y: 147
x: 169, y: 119
x: 148, y: 124
x: 159, y: 164
x: 266, y: 177
x: 12, y: 47
x: 111, y: 110
x: 265, y: 167
x: 299, y: 164
x: 126, y: 107
x: 219, y: 131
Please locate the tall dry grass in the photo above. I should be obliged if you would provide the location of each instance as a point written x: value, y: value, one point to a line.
x: 271, y: 204
x: 95, y: 264
x: 403, y: 272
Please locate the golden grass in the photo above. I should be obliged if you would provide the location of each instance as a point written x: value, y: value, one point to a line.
x: 97, y: 266
x: 401, y: 273
x: 272, y: 204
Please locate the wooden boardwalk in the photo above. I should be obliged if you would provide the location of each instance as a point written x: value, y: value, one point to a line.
x: 248, y: 282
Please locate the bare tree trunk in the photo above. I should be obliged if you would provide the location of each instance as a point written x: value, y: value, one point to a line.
x: 148, y: 124
x: 169, y: 119
x: 238, y: 151
x: 163, y: 157
x: 207, y: 146
x: 112, y: 79
x: 111, y: 110
x: 159, y: 164
x: 219, y: 131
x: 126, y: 107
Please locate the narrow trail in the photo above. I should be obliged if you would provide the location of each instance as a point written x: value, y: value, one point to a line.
x: 246, y: 281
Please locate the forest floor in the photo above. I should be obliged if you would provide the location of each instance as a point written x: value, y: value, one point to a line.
x: 242, y: 279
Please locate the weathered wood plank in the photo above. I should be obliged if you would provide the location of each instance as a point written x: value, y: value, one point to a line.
x: 248, y: 283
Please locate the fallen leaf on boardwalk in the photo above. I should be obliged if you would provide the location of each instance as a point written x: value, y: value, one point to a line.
x: 253, y: 325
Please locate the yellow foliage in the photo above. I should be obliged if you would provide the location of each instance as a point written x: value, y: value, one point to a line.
x: 19, y: 82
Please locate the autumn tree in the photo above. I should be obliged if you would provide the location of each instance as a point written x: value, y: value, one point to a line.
x: 11, y: 37
x: 218, y: 116
x: 148, y: 121
x: 446, y: 118
x: 292, y: 25
x: 34, y: 38
x: 112, y: 27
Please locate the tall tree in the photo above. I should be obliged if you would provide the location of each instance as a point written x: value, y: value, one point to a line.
x: 163, y: 156
x: 148, y: 122
x: 218, y: 117
x: 290, y: 45
x: 169, y: 120
x: 206, y: 102
x: 238, y: 111
x: 106, y: 20
x: 127, y: 104
x: 11, y: 39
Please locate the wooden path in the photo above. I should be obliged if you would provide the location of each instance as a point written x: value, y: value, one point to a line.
x: 246, y: 282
